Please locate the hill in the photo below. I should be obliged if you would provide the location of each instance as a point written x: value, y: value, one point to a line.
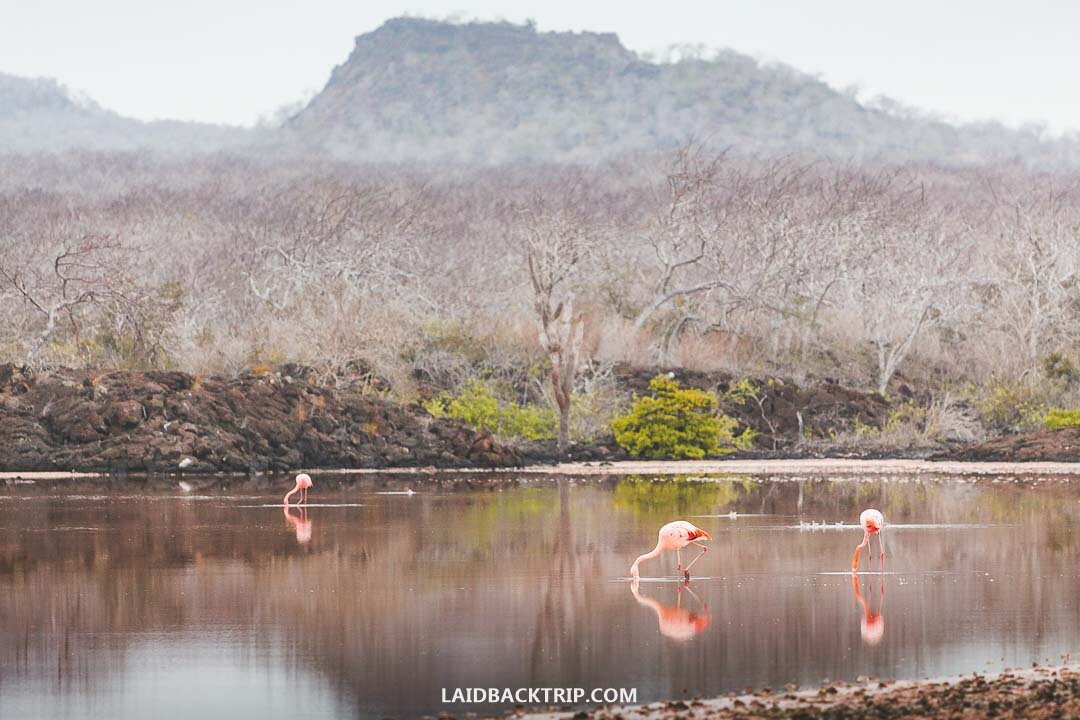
x: 40, y: 115
x: 433, y: 91
x: 491, y: 92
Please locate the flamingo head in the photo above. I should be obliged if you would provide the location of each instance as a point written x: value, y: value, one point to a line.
x: 303, y: 481
x: 872, y: 520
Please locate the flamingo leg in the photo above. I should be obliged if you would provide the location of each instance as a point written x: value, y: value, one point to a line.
x: 703, y: 551
x: 678, y: 556
x: 881, y: 546
x: 860, y: 546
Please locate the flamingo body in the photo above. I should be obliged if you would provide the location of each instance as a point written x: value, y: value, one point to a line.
x: 872, y: 523
x: 674, y: 536
x: 872, y: 520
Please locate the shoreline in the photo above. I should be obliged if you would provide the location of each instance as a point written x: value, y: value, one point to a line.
x: 1036, y: 692
x: 816, y: 467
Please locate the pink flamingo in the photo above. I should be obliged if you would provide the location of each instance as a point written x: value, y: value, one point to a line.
x: 675, y: 536
x: 303, y: 482
x: 872, y: 522
x: 676, y: 622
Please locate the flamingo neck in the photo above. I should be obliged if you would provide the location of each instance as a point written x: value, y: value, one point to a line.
x: 289, y: 494
x: 647, y: 556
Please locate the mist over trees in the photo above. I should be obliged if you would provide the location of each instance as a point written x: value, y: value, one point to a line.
x: 40, y: 115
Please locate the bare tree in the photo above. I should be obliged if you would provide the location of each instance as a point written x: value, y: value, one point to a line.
x: 555, y: 241
x: 680, y: 233
x: 904, y: 272
x: 75, y: 276
x: 1035, y: 266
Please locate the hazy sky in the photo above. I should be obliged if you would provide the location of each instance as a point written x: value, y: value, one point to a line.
x: 234, y: 60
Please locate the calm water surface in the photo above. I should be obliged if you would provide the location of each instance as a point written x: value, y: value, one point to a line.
x: 167, y: 605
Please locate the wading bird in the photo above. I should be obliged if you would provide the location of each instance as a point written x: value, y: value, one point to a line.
x: 675, y: 536
x: 303, y: 482
x: 873, y: 522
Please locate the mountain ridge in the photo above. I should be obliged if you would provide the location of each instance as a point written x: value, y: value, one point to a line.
x: 490, y: 92
x: 421, y: 90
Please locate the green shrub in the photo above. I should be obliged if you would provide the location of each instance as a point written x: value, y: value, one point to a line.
x: 743, y: 392
x: 1059, y: 418
x: 676, y: 422
x: 478, y: 407
x: 527, y: 422
x: 906, y: 415
x: 1011, y: 407
x: 1061, y: 367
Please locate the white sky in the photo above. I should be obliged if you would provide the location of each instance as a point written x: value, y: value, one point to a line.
x: 233, y: 60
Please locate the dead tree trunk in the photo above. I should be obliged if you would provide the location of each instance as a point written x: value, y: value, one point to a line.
x: 561, y: 335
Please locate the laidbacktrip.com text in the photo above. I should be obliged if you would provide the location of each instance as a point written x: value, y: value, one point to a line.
x: 538, y: 696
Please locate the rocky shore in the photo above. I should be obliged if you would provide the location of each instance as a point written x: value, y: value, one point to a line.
x: 168, y: 421
x: 1031, y: 694
x: 1061, y: 445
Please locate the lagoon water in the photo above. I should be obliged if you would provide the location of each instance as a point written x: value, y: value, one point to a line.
x: 170, y: 605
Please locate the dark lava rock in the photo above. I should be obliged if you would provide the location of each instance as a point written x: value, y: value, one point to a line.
x: 1061, y: 445
x: 151, y: 421
x: 124, y: 414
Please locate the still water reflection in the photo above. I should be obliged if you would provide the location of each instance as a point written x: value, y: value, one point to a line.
x: 368, y: 604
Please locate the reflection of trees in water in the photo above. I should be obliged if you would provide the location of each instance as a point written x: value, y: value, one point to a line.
x: 677, y: 495
x: 407, y: 596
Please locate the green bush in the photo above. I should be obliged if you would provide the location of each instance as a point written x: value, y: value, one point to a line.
x: 676, y: 422
x: 477, y: 406
x: 1059, y: 418
x: 742, y: 392
x: 1061, y: 367
x: 1010, y: 406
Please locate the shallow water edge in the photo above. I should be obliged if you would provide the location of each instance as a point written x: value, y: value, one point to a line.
x: 790, y: 469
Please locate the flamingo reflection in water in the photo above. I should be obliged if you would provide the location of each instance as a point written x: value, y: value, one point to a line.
x: 872, y: 624
x: 676, y: 622
x: 299, y: 524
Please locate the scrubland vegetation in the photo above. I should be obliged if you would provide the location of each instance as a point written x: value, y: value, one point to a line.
x: 953, y: 292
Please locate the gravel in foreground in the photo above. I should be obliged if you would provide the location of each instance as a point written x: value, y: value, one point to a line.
x: 1033, y: 694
